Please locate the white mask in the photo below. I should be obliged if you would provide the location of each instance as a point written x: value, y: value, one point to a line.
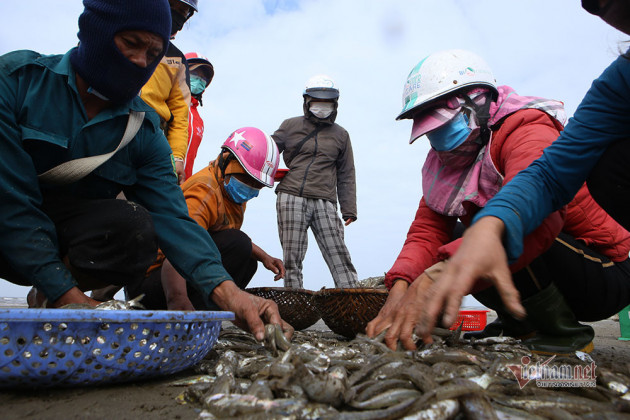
x: 322, y: 109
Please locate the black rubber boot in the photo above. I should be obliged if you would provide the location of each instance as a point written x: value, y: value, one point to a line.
x: 505, y: 324
x: 558, y: 330
x: 493, y: 329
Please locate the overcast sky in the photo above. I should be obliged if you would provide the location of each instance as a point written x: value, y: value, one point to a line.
x: 264, y: 51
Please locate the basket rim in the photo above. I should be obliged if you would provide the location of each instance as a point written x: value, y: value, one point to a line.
x: 279, y: 289
x: 355, y: 291
x: 88, y: 315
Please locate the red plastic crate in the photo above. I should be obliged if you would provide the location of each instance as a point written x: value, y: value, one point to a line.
x: 473, y: 320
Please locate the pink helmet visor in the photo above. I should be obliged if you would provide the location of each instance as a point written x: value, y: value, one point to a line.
x: 441, y: 112
x: 434, y: 118
x: 256, y: 152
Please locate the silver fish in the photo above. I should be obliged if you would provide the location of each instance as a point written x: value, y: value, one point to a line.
x: 387, y: 398
x: 227, y: 364
x: 260, y: 389
x: 510, y: 413
x: 109, y: 305
x: 197, y: 379
x: 121, y: 304
x: 327, y: 388
x: 446, y: 409
x: 477, y: 407
x: 453, y: 355
x: 393, y: 412
x: 373, y: 283
x: 232, y: 405
x: 369, y: 389
x: 556, y: 399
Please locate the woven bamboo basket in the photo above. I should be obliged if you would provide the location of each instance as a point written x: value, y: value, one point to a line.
x: 295, y: 305
x: 348, y: 311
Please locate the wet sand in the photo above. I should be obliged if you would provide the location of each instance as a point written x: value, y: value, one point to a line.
x: 156, y: 399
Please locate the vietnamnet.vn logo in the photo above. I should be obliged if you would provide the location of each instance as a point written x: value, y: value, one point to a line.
x: 468, y: 71
x: 549, y: 375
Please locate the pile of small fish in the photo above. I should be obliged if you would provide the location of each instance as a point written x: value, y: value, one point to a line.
x: 320, y: 375
x: 373, y: 283
x: 110, y: 305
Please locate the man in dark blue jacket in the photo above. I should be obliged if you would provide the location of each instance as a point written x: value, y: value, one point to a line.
x: 64, y: 238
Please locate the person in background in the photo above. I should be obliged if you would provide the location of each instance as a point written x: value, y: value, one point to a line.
x: 216, y: 197
x: 168, y: 91
x: 481, y: 136
x: 69, y: 233
x: 319, y: 156
x: 201, y: 74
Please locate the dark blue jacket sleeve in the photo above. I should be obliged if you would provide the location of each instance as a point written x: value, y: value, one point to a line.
x: 553, y: 180
x: 28, y: 240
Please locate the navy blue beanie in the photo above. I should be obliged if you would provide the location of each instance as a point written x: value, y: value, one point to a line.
x: 97, y: 59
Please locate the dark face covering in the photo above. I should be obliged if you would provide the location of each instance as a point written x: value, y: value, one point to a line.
x: 616, y: 13
x: 177, y: 22
x: 98, y: 60
x: 121, y: 81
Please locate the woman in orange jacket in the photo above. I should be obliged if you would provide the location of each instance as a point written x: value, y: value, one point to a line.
x: 217, y: 197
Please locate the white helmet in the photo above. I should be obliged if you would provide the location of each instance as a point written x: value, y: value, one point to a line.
x: 443, y: 73
x: 321, y: 87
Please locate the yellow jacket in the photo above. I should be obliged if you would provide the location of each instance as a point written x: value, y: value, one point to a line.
x: 168, y: 93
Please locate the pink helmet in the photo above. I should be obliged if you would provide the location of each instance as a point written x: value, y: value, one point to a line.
x: 256, y: 152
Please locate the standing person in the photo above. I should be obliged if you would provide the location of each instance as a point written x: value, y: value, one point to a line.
x: 481, y: 136
x: 216, y: 197
x: 593, y: 147
x: 318, y: 153
x: 168, y: 91
x: 201, y: 74
x: 62, y: 230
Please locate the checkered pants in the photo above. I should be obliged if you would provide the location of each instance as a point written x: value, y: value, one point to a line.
x: 295, y: 216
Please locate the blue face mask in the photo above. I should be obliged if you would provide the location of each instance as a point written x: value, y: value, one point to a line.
x: 239, y: 192
x: 197, y: 85
x: 451, y: 134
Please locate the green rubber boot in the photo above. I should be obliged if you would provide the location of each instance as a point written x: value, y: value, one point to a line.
x: 558, y: 330
x: 505, y: 324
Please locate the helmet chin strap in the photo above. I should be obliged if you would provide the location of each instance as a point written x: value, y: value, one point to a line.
x: 223, y: 162
x: 483, y: 116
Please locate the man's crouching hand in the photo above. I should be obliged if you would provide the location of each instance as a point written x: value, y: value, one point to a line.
x: 251, y: 312
x: 75, y: 296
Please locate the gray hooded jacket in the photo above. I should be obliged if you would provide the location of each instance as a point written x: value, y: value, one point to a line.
x: 324, y: 166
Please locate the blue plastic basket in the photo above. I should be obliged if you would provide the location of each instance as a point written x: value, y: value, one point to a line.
x: 69, y: 347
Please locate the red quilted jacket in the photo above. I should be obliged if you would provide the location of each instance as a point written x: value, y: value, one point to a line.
x: 518, y: 141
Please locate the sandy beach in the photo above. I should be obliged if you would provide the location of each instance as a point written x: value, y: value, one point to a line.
x: 156, y: 399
